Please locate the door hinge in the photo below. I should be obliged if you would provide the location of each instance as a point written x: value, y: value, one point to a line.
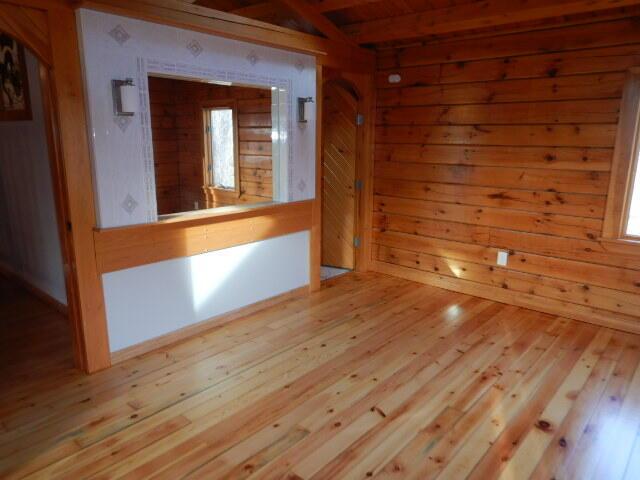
x: 359, y: 119
x: 356, y: 242
x: 359, y: 184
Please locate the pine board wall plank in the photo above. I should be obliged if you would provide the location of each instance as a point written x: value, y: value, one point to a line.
x: 506, y: 142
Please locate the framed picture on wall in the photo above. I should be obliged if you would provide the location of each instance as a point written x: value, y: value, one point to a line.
x: 14, y: 84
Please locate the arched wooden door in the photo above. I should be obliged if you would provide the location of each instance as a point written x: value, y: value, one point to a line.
x: 340, y: 108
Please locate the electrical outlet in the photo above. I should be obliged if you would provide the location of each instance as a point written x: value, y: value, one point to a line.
x: 503, y: 258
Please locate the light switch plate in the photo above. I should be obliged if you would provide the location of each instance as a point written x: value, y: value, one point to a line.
x: 503, y: 258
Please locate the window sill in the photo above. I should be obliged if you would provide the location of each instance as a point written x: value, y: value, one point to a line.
x: 207, y: 213
x: 625, y: 246
x: 211, y: 188
x: 205, y: 216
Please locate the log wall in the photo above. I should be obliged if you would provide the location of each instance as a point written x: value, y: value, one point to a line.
x: 506, y: 142
x: 176, y: 118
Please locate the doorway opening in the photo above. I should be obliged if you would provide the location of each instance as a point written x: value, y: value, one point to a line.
x: 35, y: 278
x: 339, y: 186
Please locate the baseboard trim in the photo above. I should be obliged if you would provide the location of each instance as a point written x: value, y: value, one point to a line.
x: 198, y: 328
x: 20, y: 279
x: 551, y: 306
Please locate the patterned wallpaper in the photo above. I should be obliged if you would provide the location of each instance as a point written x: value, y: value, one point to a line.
x: 117, y: 47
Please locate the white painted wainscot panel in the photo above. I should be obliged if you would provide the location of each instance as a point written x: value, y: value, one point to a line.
x: 152, y: 300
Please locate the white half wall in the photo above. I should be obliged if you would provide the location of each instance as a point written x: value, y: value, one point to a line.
x: 29, y: 241
x: 152, y: 300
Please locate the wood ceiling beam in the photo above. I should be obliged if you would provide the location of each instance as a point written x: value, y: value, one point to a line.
x: 257, y: 10
x: 206, y: 20
x: 222, y: 5
x: 323, y: 6
x: 318, y: 20
x: 489, y: 13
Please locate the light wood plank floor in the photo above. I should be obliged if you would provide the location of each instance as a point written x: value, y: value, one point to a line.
x: 370, y: 377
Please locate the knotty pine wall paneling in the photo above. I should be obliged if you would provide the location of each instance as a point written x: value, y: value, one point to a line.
x: 166, y: 155
x: 254, y: 137
x: 176, y: 122
x: 506, y: 143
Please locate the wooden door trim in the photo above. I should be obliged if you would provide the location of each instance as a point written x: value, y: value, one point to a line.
x: 21, y: 21
x: 315, y: 237
x: 61, y: 205
x: 363, y: 85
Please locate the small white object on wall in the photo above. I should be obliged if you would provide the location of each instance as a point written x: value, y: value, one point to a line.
x: 129, y: 98
x: 503, y: 258
x: 125, y: 97
x: 395, y: 78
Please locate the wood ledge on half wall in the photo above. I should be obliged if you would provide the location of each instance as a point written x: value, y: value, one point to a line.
x: 187, y: 235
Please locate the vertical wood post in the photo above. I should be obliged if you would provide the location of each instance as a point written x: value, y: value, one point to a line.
x: 91, y: 326
x: 315, y: 254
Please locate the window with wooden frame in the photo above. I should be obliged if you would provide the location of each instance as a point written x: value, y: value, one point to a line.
x: 221, y: 147
x: 622, y: 216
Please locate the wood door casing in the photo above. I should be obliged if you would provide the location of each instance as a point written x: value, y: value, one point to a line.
x: 340, y: 108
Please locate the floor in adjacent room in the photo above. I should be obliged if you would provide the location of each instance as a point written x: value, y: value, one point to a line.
x: 327, y: 272
x: 370, y: 377
x: 35, y: 343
